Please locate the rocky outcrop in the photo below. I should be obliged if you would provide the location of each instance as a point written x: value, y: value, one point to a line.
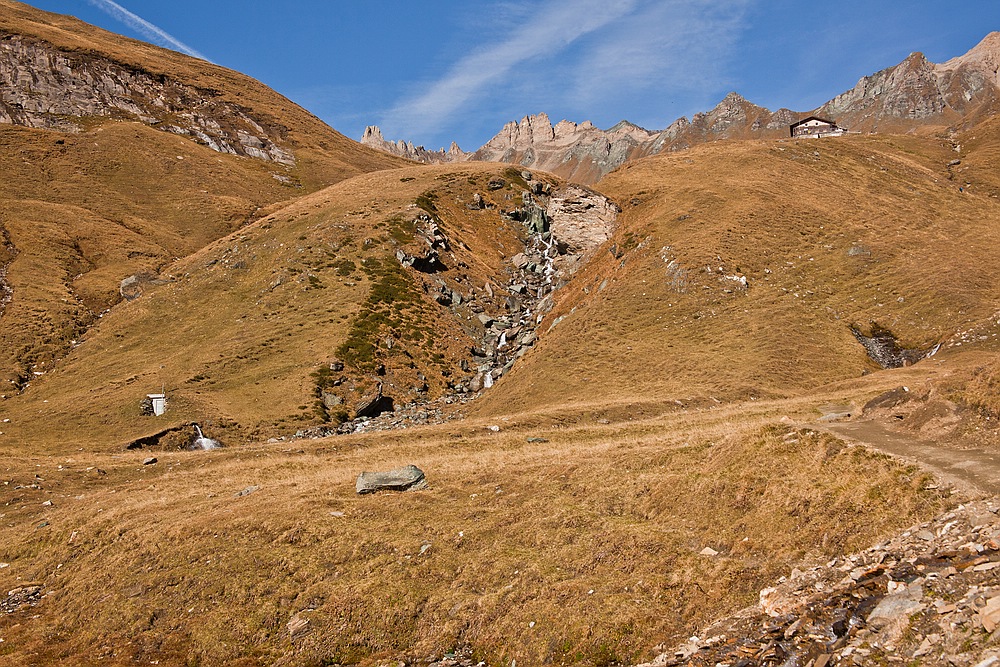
x: 732, y: 118
x: 580, y: 218
x: 912, y: 93
x: 917, y: 91
x: 44, y: 87
x: 883, y: 348
x: 578, y: 152
x: 374, y: 139
x: 7, y: 253
x: 927, y: 596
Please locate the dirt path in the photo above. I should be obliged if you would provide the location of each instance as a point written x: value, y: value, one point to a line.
x: 975, y: 470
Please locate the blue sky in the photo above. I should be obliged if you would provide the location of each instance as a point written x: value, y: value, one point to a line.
x: 443, y: 70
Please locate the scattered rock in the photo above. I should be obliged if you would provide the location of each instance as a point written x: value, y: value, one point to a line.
x: 374, y: 404
x: 906, y: 598
x: 407, y: 478
x: 990, y: 614
x: 27, y: 595
x: 149, y: 461
x: 890, y: 399
x: 246, y: 492
x: 896, y: 606
x: 708, y: 551
x: 299, y: 625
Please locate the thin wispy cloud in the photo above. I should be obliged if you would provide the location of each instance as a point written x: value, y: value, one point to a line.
x: 145, y: 28
x: 663, y: 45
x: 554, y: 26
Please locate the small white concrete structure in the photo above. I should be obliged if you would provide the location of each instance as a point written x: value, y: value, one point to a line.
x: 159, y: 402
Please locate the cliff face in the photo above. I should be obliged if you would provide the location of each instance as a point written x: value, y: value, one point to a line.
x: 580, y: 152
x: 913, y: 93
x: 44, y: 87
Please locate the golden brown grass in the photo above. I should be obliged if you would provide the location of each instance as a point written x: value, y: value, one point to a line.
x: 238, y: 333
x: 582, y: 549
x: 324, y: 156
x: 829, y: 234
x: 86, y: 210
x: 660, y: 395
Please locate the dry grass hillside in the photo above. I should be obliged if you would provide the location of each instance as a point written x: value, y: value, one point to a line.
x: 324, y: 156
x: 581, y: 545
x: 243, y: 333
x: 648, y: 463
x: 82, y: 210
x: 857, y: 231
x: 575, y: 533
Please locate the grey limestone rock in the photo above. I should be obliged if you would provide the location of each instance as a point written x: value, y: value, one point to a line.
x: 407, y: 478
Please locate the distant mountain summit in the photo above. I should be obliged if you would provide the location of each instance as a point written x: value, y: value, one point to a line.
x: 901, y: 98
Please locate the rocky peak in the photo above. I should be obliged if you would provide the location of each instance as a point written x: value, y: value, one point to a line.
x: 373, y: 138
x: 45, y: 87
x: 984, y: 58
x: 914, y: 92
x: 372, y: 135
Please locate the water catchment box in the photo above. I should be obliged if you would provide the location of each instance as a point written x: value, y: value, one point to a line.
x: 159, y: 402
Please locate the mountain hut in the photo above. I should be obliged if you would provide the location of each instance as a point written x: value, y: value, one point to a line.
x: 815, y: 127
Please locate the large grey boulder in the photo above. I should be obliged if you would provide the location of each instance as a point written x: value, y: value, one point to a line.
x: 407, y: 478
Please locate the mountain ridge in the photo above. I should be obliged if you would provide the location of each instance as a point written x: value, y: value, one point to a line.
x: 900, y: 98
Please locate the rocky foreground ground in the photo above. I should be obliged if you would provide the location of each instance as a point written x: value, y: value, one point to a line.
x: 930, y: 596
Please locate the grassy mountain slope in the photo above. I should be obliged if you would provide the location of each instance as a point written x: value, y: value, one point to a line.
x: 324, y: 155
x: 581, y: 545
x: 80, y: 211
x: 580, y: 549
x: 241, y: 331
x: 828, y: 235
x: 664, y: 409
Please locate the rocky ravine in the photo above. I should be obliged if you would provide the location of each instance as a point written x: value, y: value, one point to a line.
x: 913, y: 93
x: 42, y: 86
x: 7, y: 254
x: 564, y: 225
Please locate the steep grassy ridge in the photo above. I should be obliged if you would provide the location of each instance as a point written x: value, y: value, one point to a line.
x: 243, y: 332
x: 82, y: 210
x: 323, y: 155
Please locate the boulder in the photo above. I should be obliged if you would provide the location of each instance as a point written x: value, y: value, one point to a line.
x: 407, y: 478
x: 897, y: 607
x: 581, y: 218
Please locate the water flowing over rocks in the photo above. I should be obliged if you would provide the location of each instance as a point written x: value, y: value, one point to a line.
x: 931, y: 594
x: 44, y: 87
x: 7, y: 254
x: 883, y: 348
x: 503, y: 315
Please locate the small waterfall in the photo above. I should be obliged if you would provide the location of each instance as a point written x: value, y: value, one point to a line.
x: 201, y: 442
